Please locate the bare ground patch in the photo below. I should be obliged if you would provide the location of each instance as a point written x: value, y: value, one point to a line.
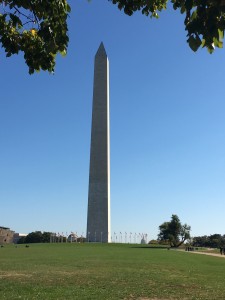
x: 13, y: 274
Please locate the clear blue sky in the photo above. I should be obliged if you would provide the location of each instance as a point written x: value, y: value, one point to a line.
x: 167, y: 128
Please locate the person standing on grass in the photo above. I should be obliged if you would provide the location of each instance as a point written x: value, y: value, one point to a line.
x: 221, y: 250
x: 224, y: 251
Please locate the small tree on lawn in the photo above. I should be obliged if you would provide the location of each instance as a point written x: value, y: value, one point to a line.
x: 174, y: 232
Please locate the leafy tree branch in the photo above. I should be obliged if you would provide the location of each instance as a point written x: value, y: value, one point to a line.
x: 204, y: 19
x: 38, y: 28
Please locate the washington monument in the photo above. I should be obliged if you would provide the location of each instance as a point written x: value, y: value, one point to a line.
x: 98, y: 219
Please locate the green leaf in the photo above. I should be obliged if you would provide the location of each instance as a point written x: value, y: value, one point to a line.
x: 68, y: 8
x: 182, y: 9
x: 194, y: 15
x: 194, y: 42
x: 220, y: 44
x: 210, y: 49
x: 63, y: 53
x: 217, y: 43
x: 221, y: 34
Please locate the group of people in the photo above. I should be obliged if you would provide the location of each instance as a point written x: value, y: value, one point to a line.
x: 190, y: 249
x: 222, y: 250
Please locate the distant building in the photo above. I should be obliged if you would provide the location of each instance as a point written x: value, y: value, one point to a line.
x: 6, y: 235
x: 72, y: 237
x: 18, y: 236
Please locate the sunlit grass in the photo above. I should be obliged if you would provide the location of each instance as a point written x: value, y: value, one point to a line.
x: 107, y: 271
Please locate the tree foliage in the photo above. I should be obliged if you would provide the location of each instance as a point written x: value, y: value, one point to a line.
x: 35, y: 237
x: 213, y: 241
x: 38, y: 28
x: 174, y: 232
x: 204, y: 19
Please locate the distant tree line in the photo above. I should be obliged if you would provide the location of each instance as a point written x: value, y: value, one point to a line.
x: 35, y: 237
x: 212, y: 241
x: 48, y: 237
x: 168, y: 236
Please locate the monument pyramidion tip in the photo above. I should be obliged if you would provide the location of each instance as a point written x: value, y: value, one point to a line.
x: 101, y: 50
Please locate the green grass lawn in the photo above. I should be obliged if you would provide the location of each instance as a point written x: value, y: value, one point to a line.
x: 108, y: 271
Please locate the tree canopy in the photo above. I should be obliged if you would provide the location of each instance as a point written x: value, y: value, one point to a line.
x: 38, y: 28
x: 35, y: 237
x: 213, y: 241
x: 174, y: 232
x: 204, y: 19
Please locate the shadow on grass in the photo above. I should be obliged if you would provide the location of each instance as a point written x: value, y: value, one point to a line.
x: 149, y: 247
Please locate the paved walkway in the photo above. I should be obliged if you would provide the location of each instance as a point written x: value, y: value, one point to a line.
x: 206, y: 253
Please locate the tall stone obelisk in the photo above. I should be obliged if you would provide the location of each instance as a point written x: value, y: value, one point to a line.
x: 98, y: 219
